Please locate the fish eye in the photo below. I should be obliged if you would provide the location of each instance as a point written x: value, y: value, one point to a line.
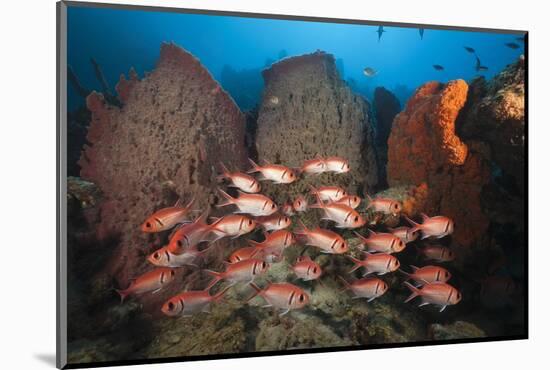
x: 343, y: 245
x: 356, y: 218
x: 401, y: 243
x: 171, y: 306
x: 287, y: 219
x: 148, y: 225
x: 264, y: 265
x: 315, y: 270
x: 179, y: 243
x: 249, y: 222
x: 172, y: 273
x: 458, y: 295
x: 156, y: 255
x: 301, y: 297
x: 273, y: 206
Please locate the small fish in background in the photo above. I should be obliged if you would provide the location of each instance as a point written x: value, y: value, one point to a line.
x: 232, y: 225
x: 307, y: 269
x: 314, y: 166
x: 163, y: 257
x: 479, y: 67
x: 242, y: 271
x: 274, y: 244
x: 378, y: 263
x: 330, y: 193
x: 273, y: 172
x: 381, y: 242
x: 191, y: 302
x: 370, y: 288
x: 152, y: 281
x: 470, y: 50
x: 300, y: 204
x: 288, y: 209
x: 242, y: 254
x: 167, y: 218
x: 512, y: 45
x: 520, y: 39
x: 283, y: 296
x: 380, y: 31
x: 433, y: 227
x: 437, y: 253
x: 438, y: 67
x: 421, y: 32
x: 441, y: 294
x: 326, y: 240
x: 384, y: 205
x: 337, y: 164
x: 253, y: 204
x: 428, y: 274
x: 352, y: 201
x: 369, y: 72
x: 240, y: 180
x: 345, y: 217
x: 274, y: 222
x: 189, y: 235
x: 405, y: 233
x: 274, y: 100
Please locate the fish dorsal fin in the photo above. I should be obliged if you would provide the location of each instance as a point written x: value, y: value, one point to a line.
x: 254, y: 243
x: 371, y: 232
x: 178, y: 202
x: 424, y: 216
x: 202, y: 218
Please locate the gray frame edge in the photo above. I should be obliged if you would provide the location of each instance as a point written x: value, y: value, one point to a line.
x: 61, y: 189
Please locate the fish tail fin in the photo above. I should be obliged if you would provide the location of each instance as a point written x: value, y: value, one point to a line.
x: 407, y: 275
x: 303, y: 228
x: 424, y: 216
x: 415, y: 226
x: 361, y: 236
x: 257, y: 291
x: 415, y: 292
x: 357, y: 264
x: 345, y: 282
x: 228, y: 199
x: 255, y: 167
x: 319, y: 204
x: 123, y: 294
x: 224, y: 170
x: 216, y: 297
x: 217, y: 276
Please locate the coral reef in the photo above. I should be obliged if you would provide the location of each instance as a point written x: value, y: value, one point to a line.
x: 456, y: 330
x: 424, y: 149
x: 176, y: 125
x: 308, y: 111
x: 386, y: 107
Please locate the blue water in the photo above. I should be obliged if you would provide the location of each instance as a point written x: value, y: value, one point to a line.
x: 120, y: 39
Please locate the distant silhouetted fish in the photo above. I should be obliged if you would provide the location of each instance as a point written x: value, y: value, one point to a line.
x: 470, y: 50
x: 380, y: 31
x: 479, y: 67
x: 421, y: 32
x: 521, y: 38
x: 369, y: 72
x: 512, y: 45
x: 437, y: 67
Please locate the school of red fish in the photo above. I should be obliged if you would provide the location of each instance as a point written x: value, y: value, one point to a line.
x: 251, y: 210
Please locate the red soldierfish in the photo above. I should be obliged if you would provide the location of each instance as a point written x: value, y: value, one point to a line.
x: 282, y: 296
x: 370, y: 288
x: 242, y: 254
x: 188, y: 235
x: 273, y: 246
x: 382, y: 242
x: 407, y: 234
x: 329, y: 193
x: 232, y: 225
x: 240, y: 180
x: 428, y: 274
x: 274, y: 222
x: 379, y: 263
x: 344, y: 216
x: 163, y: 257
x: 384, y: 205
x: 243, y: 271
x: 433, y: 227
x: 287, y: 209
x: 306, y: 269
x: 352, y: 201
x: 437, y: 253
x: 300, y: 204
x: 314, y: 166
x: 151, y: 281
x: 274, y: 172
x: 327, y: 240
x: 191, y: 302
x: 253, y: 204
x: 441, y: 294
x: 166, y: 218
x: 337, y: 164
